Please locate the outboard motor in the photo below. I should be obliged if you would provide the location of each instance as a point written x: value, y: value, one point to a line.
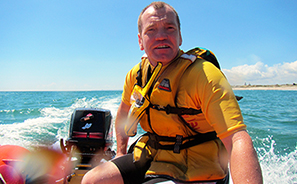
x: 90, y: 134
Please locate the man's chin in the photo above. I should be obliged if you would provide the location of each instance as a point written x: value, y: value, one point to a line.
x: 161, y: 60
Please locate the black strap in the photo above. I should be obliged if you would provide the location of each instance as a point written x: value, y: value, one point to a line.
x: 176, y: 110
x: 139, y: 76
x: 178, y: 145
x: 208, y: 56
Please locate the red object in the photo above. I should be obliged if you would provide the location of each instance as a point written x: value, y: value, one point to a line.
x: 93, y: 135
x: 12, y: 152
x: 88, y: 115
x: 8, y: 155
x: 10, y: 175
x: 79, y: 134
x: 96, y: 135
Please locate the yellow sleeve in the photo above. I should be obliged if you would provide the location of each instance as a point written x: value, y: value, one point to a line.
x: 130, y: 81
x: 211, y: 92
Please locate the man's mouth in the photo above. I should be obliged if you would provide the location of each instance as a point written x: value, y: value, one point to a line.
x: 162, y: 47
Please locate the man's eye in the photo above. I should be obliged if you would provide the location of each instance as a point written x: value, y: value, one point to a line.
x: 150, y: 30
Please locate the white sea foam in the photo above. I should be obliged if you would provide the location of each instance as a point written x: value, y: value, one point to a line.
x: 52, y: 123
x: 277, y: 168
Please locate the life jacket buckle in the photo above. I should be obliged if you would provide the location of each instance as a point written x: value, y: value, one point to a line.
x: 178, y: 143
x: 168, y: 109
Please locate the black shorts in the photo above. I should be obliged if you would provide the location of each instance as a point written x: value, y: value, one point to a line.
x: 134, y: 172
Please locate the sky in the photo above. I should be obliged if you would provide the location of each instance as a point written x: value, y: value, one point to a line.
x: 54, y: 45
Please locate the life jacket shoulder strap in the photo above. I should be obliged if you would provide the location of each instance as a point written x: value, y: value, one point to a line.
x: 205, y: 54
x: 199, y: 52
x: 139, y: 76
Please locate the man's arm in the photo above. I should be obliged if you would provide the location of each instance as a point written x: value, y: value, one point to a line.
x: 122, y: 138
x: 244, y: 164
x: 108, y: 172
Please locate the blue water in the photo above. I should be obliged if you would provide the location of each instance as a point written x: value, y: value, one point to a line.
x: 42, y: 118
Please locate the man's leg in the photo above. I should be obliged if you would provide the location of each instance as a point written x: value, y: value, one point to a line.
x: 120, y: 170
x: 104, y: 173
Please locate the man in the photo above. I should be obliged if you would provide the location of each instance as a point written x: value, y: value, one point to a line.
x: 179, y: 146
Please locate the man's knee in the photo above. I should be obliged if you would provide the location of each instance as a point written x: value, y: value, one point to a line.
x: 104, y: 173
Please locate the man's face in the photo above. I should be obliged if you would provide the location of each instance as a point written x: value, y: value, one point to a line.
x: 160, y: 37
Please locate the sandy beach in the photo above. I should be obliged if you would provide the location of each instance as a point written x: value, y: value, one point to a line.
x: 290, y: 87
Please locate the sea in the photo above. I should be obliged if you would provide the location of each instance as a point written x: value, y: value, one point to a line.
x: 42, y: 118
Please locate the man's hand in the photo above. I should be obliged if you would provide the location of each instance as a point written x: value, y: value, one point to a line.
x: 122, y: 138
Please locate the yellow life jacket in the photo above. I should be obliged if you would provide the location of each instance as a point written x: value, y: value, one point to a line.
x: 173, y: 145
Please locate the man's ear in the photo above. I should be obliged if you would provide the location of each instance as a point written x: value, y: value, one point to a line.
x: 140, y: 42
x: 180, y: 39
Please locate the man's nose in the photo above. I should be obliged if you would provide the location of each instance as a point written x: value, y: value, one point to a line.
x: 161, y: 34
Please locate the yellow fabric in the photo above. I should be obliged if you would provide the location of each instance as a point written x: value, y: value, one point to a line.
x: 212, y: 93
x: 172, y: 72
x: 203, y: 86
x: 140, y: 101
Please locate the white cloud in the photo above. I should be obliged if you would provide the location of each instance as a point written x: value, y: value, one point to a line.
x: 261, y: 73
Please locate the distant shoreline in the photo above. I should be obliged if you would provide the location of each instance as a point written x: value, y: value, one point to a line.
x: 290, y: 87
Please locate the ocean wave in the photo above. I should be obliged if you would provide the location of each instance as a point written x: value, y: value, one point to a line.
x: 270, y: 124
x: 48, y: 124
x: 277, y: 167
